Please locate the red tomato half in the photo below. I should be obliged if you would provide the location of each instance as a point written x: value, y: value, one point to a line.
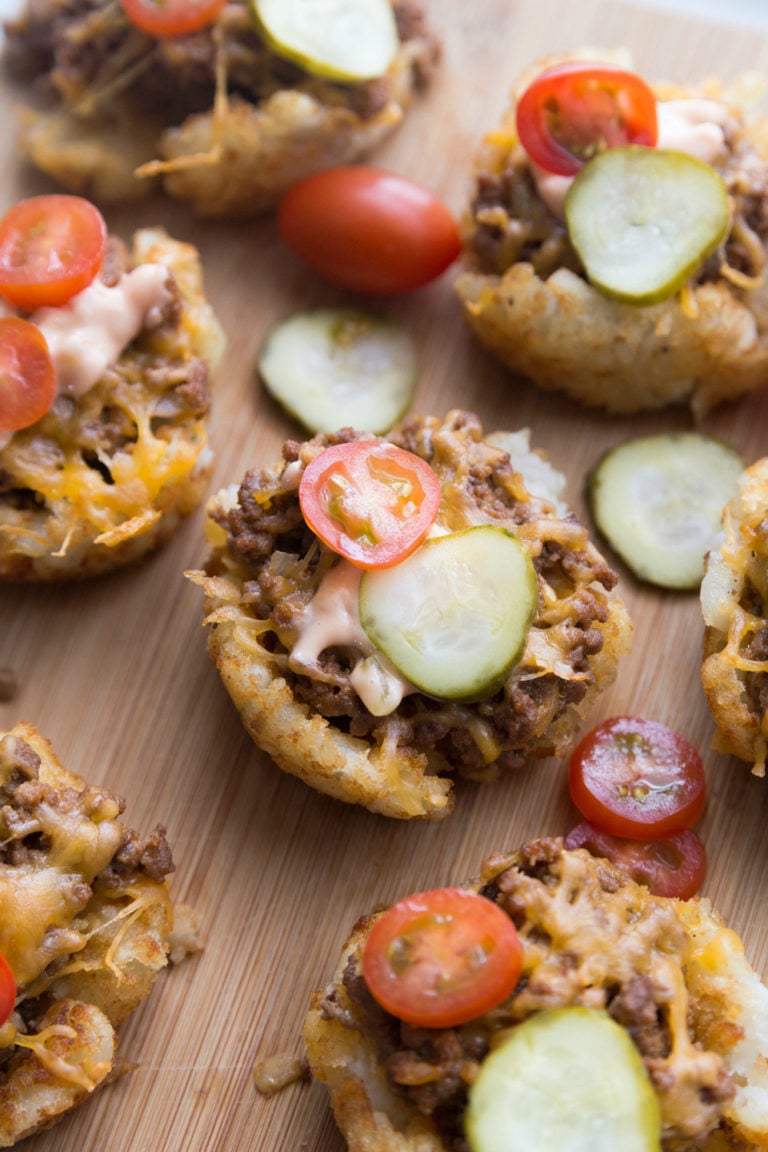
x: 671, y: 867
x: 574, y: 110
x: 7, y: 990
x: 27, y: 374
x: 638, y: 778
x: 441, y: 958
x: 51, y: 247
x: 370, y: 501
x: 368, y: 230
x: 171, y: 17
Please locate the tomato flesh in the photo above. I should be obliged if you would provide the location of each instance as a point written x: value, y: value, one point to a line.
x: 171, y: 17
x: 574, y: 110
x: 7, y: 990
x: 27, y: 374
x: 51, y: 248
x: 370, y: 501
x: 638, y: 778
x: 672, y: 867
x: 368, y: 230
x: 441, y: 958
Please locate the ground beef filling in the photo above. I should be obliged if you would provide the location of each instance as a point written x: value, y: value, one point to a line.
x: 282, y: 563
x: 512, y: 224
x: 72, y: 46
x: 756, y: 648
x: 37, y: 822
x: 434, y: 1069
x: 22, y: 792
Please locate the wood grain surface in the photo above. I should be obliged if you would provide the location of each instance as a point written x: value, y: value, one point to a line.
x: 115, y: 673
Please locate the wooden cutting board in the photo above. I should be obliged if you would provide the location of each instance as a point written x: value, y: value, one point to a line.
x: 116, y: 674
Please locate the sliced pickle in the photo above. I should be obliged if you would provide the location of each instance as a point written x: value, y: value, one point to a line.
x: 644, y: 219
x: 337, y: 366
x: 565, y: 1080
x: 454, y: 617
x: 345, y: 40
x: 658, y: 501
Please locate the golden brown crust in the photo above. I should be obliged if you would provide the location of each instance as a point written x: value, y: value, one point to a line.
x: 712, y: 1001
x: 259, y: 151
x: 565, y: 336
x: 85, y: 930
x: 63, y: 518
x: 33, y: 1098
x: 701, y: 347
x: 735, y: 604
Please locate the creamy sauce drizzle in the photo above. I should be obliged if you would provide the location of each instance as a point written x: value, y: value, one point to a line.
x: 88, y: 334
x: 332, y: 620
x: 695, y: 126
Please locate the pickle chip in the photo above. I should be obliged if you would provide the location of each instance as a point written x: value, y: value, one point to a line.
x: 658, y: 501
x: 454, y: 617
x: 346, y: 40
x: 336, y: 364
x: 644, y: 219
x: 566, y: 1080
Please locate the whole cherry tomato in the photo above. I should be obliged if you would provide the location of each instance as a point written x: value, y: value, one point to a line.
x: 370, y: 501
x: 638, y: 778
x: 171, y: 17
x: 27, y: 374
x: 574, y: 110
x: 51, y: 248
x: 7, y: 990
x: 368, y: 230
x: 440, y: 958
x: 672, y: 867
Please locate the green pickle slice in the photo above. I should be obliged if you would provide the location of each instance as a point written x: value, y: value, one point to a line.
x: 454, y: 616
x: 644, y: 219
x: 340, y: 365
x: 658, y: 501
x: 346, y: 40
x: 566, y: 1080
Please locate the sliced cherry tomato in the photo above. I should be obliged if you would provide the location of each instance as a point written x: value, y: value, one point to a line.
x: 171, y: 17
x: 370, y: 501
x: 574, y: 110
x: 51, y: 248
x: 671, y: 867
x: 27, y: 374
x: 441, y: 958
x: 7, y: 990
x: 368, y: 230
x: 637, y: 778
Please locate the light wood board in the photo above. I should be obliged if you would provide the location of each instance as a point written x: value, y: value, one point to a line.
x: 115, y: 673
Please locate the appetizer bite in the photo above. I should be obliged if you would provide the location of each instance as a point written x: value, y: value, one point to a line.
x: 389, y: 615
x: 734, y: 598
x: 105, y: 360
x: 225, y: 102
x: 616, y: 241
x: 550, y: 1003
x: 86, y: 925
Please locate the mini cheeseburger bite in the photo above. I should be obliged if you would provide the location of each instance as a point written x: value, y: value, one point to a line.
x: 226, y: 102
x: 573, y: 1010
x: 106, y: 354
x: 734, y: 598
x: 391, y: 614
x: 616, y: 240
x: 86, y: 925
